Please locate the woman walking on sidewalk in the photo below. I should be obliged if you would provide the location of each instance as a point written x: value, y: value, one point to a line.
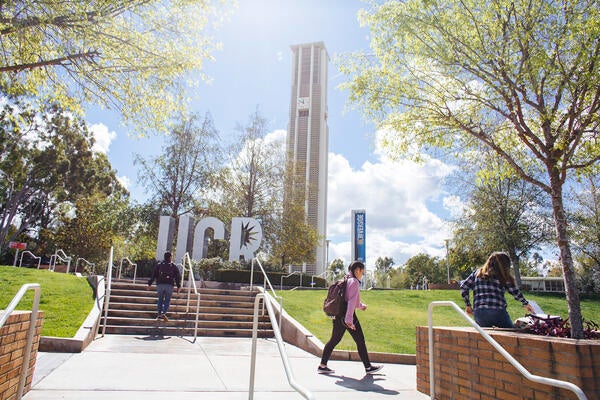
x: 349, y: 322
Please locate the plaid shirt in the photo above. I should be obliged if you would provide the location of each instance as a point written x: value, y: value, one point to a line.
x: 488, y: 293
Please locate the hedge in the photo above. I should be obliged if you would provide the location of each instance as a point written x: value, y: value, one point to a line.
x: 229, y: 275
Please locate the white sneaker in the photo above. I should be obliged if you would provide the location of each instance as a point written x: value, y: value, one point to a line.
x: 373, y: 369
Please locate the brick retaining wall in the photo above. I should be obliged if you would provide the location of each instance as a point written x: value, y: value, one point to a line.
x: 468, y: 367
x: 13, y: 340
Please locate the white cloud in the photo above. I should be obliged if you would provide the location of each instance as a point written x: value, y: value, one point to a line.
x: 402, y: 201
x: 125, y: 181
x: 454, y: 205
x: 103, y: 137
x: 277, y: 136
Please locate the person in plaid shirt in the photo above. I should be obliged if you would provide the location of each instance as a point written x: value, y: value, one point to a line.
x: 488, y: 284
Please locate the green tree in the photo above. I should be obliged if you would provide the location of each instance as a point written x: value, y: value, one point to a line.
x: 292, y: 240
x: 505, y: 75
x: 187, y: 167
x: 425, y: 268
x: 399, y: 279
x: 253, y: 185
x: 505, y: 213
x: 140, y: 231
x: 46, y: 156
x: 585, y: 219
x: 585, y: 222
x: 94, y: 216
x: 383, y: 267
x: 337, y: 269
x: 134, y: 56
x: 532, y: 267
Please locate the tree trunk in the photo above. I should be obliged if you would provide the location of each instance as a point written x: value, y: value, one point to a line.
x: 560, y: 222
x: 515, y: 259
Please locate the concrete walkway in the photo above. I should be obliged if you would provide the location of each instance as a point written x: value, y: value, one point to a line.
x: 128, y: 367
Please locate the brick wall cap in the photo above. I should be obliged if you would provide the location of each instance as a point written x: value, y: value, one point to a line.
x: 515, y: 333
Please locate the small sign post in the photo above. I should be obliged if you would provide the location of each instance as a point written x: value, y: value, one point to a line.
x: 17, y: 246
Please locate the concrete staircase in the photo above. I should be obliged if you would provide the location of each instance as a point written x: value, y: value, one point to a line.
x: 223, y: 312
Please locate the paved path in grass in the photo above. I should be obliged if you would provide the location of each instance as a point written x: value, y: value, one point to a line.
x: 150, y: 368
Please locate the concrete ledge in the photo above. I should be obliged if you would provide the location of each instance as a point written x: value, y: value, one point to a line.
x: 86, y: 333
x: 295, y: 333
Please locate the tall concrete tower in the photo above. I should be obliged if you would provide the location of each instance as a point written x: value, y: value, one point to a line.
x: 308, y: 139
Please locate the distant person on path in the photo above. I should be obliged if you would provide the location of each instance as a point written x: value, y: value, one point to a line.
x: 167, y: 276
x: 352, y: 295
x: 488, y: 284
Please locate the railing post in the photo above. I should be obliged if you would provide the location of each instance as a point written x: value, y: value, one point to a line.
x: 534, y: 378
x: 253, y: 351
x: 108, y: 289
x: 32, y: 325
x: 252, y: 275
x: 276, y: 331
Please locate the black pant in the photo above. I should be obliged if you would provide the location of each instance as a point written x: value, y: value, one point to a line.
x: 339, y: 328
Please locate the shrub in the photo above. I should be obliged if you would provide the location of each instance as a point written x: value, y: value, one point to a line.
x: 561, y: 328
x: 225, y: 275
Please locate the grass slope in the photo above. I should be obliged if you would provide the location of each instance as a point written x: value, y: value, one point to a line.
x: 391, y: 318
x: 65, y: 299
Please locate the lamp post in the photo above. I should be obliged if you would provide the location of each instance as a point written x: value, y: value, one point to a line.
x: 447, y: 261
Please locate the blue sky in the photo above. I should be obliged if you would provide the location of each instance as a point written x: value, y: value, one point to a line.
x: 406, y: 204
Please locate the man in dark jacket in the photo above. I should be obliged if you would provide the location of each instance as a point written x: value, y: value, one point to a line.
x: 167, y: 275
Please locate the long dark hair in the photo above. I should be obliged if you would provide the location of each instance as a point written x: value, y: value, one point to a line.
x: 497, y: 267
x: 354, y: 265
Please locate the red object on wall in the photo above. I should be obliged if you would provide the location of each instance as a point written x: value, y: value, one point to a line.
x: 17, y: 245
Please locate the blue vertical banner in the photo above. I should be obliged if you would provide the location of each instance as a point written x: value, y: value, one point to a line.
x: 359, y: 235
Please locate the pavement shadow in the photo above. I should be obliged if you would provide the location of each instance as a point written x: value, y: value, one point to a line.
x: 153, y: 337
x: 366, y: 384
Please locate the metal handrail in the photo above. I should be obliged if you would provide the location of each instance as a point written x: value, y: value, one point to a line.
x: 108, y: 278
x: 32, y: 255
x: 287, y: 276
x: 54, y: 257
x: 267, y: 299
x: 324, y: 273
x: 191, y: 284
x: 265, y: 282
x: 32, y: 323
x: 87, y: 262
x: 130, y: 263
x: 535, y: 378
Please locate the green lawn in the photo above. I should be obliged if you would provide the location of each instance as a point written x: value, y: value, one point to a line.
x: 390, y: 320
x: 65, y: 299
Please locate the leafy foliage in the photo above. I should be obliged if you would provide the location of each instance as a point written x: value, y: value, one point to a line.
x: 383, y: 267
x: 253, y: 184
x: 337, y: 269
x: 503, y: 213
x: 585, y: 222
x: 424, y: 268
x: 509, y: 77
x: 48, y: 160
x: 561, y: 328
x: 132, y: 55
x: 186, y: 168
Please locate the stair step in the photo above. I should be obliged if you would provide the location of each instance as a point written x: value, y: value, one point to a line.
x: 176, y: 314
x: 175, y: 331
x: 143, y: 288
x: 222, y: 312
x: 223, y: 302
x: 189, y: 323
x: 181, y: 308
x: 151, y: 294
